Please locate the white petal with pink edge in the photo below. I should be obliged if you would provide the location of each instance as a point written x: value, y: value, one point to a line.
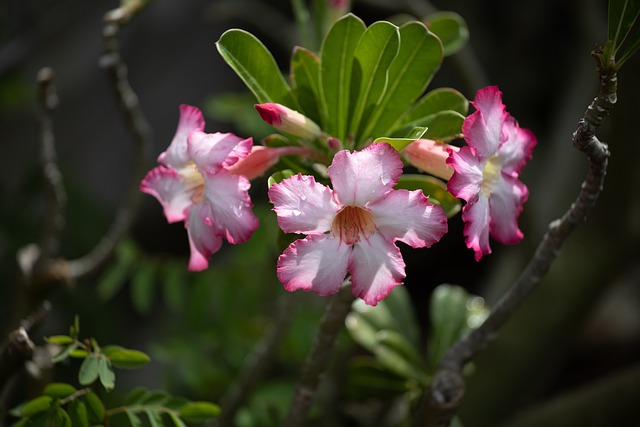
x: 516, y: 150
x: 316, y: 263
x: 483, y: 129
x: 376, y: 267
x: 203, y: 239
x: 177, y: 155
x: 364, y: 176
x: 213, y: 151
x: 409, y: 217
x: 505, y: 205
x: 303, y: 205
x: 166, y: 185
x: 467, y: 178
x: 227, y: 196
x: 476, y: 228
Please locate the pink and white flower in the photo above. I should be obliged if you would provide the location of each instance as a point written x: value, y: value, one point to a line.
x: 486, y: 173
x: 194, y: 185
x: 353, y: 227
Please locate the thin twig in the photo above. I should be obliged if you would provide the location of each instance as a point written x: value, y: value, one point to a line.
x: 447, y: 388
x: 112, y: 62
x: 256, y: 364
x: 317, y: 361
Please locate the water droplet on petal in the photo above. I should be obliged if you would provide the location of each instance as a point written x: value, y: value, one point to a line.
x: 303, y: 197
x: 296, y: 212
x: 385, y: 178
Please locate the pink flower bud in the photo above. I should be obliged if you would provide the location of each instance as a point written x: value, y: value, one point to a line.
x: 334, y: 144
x: 430, y: 156
x: 262, y: 158
x: 288, y: 120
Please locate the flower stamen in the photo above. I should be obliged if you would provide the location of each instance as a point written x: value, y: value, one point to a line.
x: 193, y: 182
x: 353, y: 223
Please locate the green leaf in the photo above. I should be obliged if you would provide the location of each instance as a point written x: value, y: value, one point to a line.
x: 255, y: 65
x: 142, y: 286
x: 442, y: 126
x: 125, y: 358
x: 115, y: 276
x: 437, y: 100
x: 336, y: 61
x: 95, y: 408
x: 367, y: 378
x: 451, y: 29
x: 401, y: 143
x: 199, y: 412
x: 134, y: 419
x: 79, y: 353
x: 454, y: 312
x: 433, y: 188
x: 418, y: 59
x: 34, y: 406
x: 77, y: 411
x: 622, y: 15
x: 89, y: 369
x: 177, y: 422
x: 59, y: 339
x: 374, y: 53
x: 277, y: 177
x: 107, y: 377
x: 136, y: 395
x: 155, y: 418
x: 59, y: 390
x: 397, y: 354
x: 60, y: 418
x: 305, y: 69
x: 64, y: 353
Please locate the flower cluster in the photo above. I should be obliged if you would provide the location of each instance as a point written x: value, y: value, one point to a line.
x: 351, y: 228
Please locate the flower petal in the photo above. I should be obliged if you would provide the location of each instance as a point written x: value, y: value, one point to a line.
x: 302, y: 205
x: 466, y: 181
x: 516, y: 150
x: 177, y: 155
x: 364, y: 176
x: 261, y: 158
x: 230, y: 212
x: 316, y: 263
x: 166, y: 185
x: 475, y: 214
x: 483, y: 129
x: 505, y: 205
x: 203, y: 239
x: 376, y: 267
x: 409, y: 217
x: 213, y: 151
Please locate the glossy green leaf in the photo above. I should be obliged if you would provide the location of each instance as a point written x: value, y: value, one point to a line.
x: 95, y: 408
x: 435, y: 101
x: 59, y: 339
x: 77, y: 411
x: 397, y: 354
x: 453, y: 313
x: 419, y: 57
x: 279, y: 176
x: 143, y: 286
x: 125, y: 358
x: 367, y: 378
x: 255, y: 65
x: 64, y: 353
x: 79, y: 353
x: 451, y: 29
x: 433, y: 188
x: 59, y: 390
x: 442, y: 126
x: 375, y: 51
x: 305, y: 75
x: 60, y: 418
x: 89, y: 369
x: 401, y: 143
x: 34, y: 406
x: 622, y: 15
x: 199, y: 412
x: 107, y: 377
x: 336, y: 61
x: 177, y: 422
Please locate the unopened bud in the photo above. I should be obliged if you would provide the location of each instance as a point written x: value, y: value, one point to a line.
x: 261, y: 158
x: 430, y: 156
x: 288, y: 120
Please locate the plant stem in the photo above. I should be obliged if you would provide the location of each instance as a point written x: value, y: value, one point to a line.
x: 317, y: 361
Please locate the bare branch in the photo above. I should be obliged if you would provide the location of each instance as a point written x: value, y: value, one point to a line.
x: 317, y: 361
x: 447, y: 389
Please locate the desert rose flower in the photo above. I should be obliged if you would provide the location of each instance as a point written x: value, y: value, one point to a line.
x: 486, y: 173
x: 194, y: 185
x: 353, y: 227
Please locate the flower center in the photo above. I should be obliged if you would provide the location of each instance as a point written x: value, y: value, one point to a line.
x: 353, y: 223
x: 491, y: 174
x: 193, y: 182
